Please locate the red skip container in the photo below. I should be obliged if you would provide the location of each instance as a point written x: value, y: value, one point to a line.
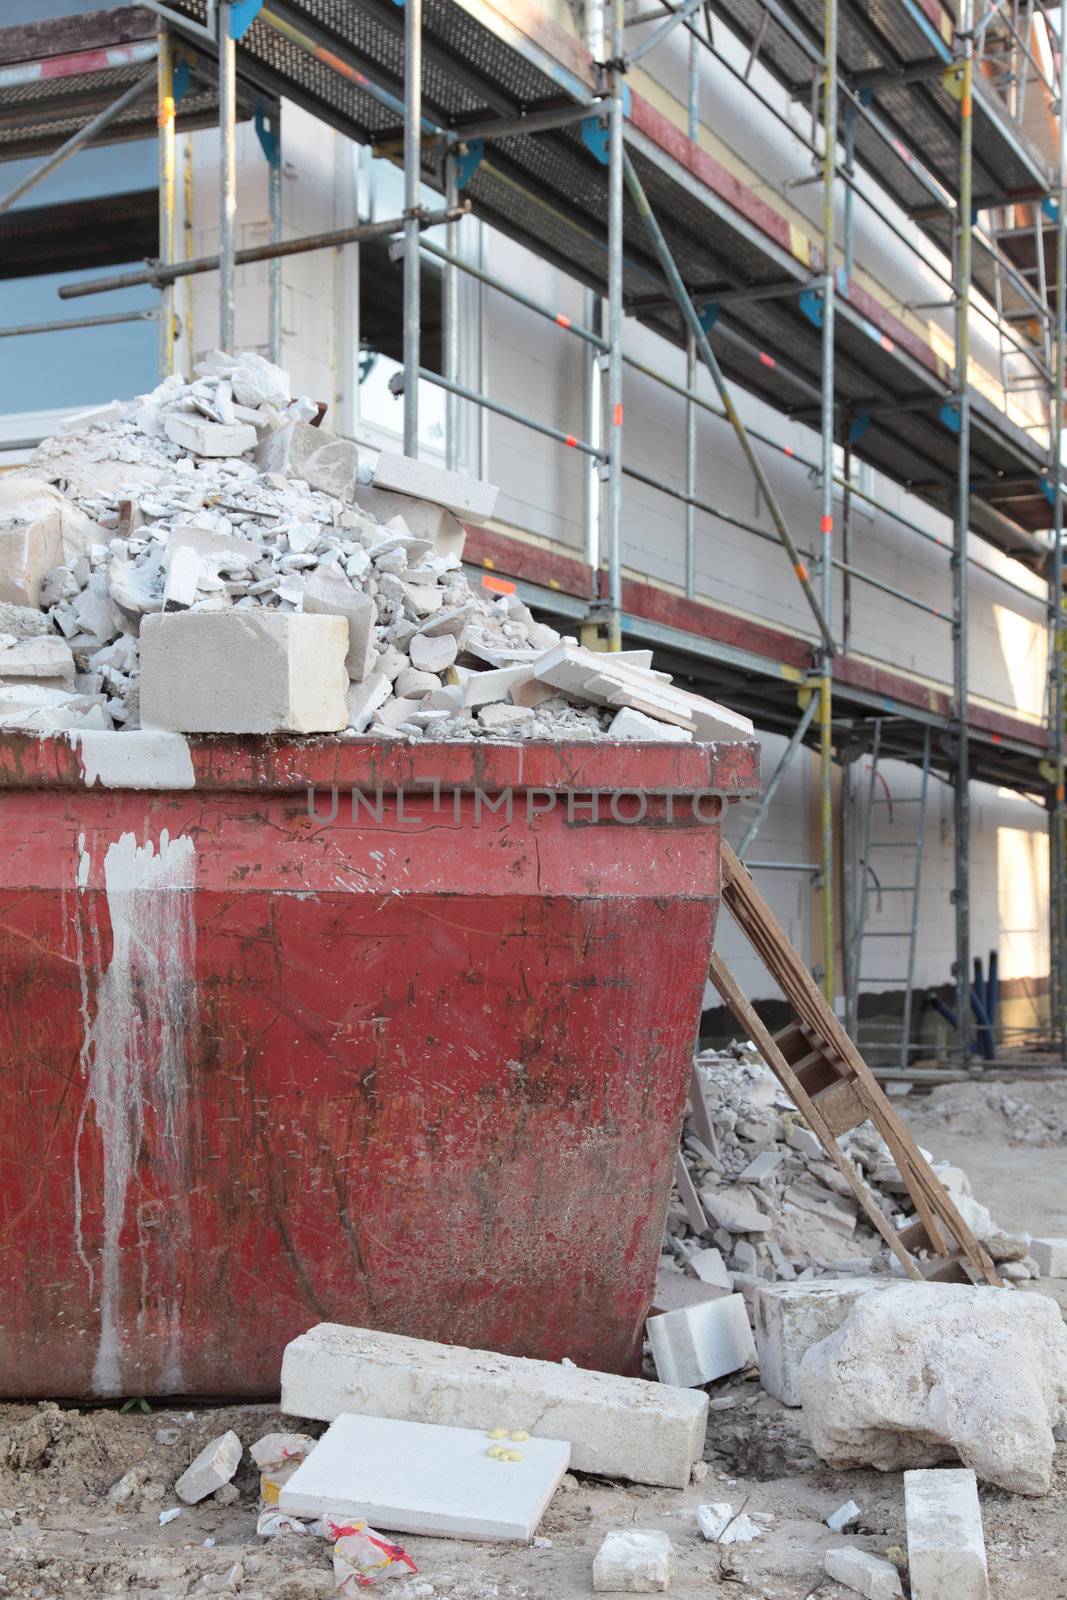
x: 411, y: 1064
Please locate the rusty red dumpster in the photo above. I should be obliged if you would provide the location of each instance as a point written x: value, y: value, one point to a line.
x: 387, y: 1034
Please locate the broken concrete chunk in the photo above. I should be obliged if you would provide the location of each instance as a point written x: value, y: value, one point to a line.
x: 720, y: 1524
x: 244, y: 672
x: 257, y: 382
x: 761, y: 1166
x: 867, y: 1575
x: 412, y: 684
x: 791, y: 1317
x: 416, y: 1477
x: 363, y: 700
x: 24, y: 622
x: 837, y: 1212
x: 324, y: 461
x: 602, y: 678
x: 502, y: 718
x: 633, y: 1561
x: 927, y: 1372
x: 700, y: 1343
x: 206, y: 438
x: 618, y: 1427
x: 328, y: 593
x: 1051, y: 1256
x: 674, y: 1290
x: 95, y: 417
x: 37, y: 658
x: 846, y: 1516
x: 421, y: 480
x: 946, y: 1544
x: 214, y: 1466
x: 628, y: 724
x: 38, y: 708
x: 735, y: 1210
x: 709, y: 1267
x: 27, y: 551
x: 432, y: 653
x: 184, y: 572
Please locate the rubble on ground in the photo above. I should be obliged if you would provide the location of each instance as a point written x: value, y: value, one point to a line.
x: 205, y: 558
x: 776, y: 1207
x: 922, y: 1373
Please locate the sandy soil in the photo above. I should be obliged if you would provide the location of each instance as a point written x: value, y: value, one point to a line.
x: 60, y: 1535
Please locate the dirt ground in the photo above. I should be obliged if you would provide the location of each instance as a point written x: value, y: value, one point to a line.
x: 61, y: 1534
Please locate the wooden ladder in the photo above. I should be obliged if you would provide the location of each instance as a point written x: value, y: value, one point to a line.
x: 833, y: 1088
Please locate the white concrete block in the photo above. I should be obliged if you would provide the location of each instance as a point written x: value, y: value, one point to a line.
x: 833, y: 1209
x: 466, y: 498
x: 184, y: 571
x: 39, y: 657
x: 27, y: 551
x: 844, y: 1517
x: 421, y: 517
x: 206, y: 438
x: 734, y: 1209
x: 213, y: 1467
x: 618, y: 1427
x: 867, y: 1575
x: 699, y: 1343
x: 709, y: 1267
x: 791, y: 1317
x: 674, y: 1290
x: 628, y: 724
x: 804, y: 1142
x: 247, y: 671
x: 633, y: 1561
x: 1051, y: 1256
x: 330, y: 594
x: 413, y: 1477
x: 503, y: 718
x: 482, y: 688
x: 946, y: 1545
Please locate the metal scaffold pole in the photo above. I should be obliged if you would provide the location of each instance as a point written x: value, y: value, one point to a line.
x: 168, y: 179
x: 450, y: 318
x: 613, y: 429
x: 412, y: 183
x: 227, y: 173
x: 1057, y: 707
x: 826, y: 519
x: 961, y: 796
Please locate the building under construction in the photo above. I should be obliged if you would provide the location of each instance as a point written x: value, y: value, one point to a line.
x: 692, y: 284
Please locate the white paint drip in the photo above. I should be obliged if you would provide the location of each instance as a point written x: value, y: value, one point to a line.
x: 148, y: 758
x: 134, y: 1057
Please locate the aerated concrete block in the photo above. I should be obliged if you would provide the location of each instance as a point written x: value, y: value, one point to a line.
x: 618, y: 1427
x: 411, y: 1477
x: 867, y: 1575
x: 1051, y: 1256
x: 791, y: 1317
x: 633, y: 1561
x: 246, y: 671
x: 27, y: 551
x: 330, y: 594
x: 213, y: 1467
x: 206, y: 438
x: 466, y: 498
x: 698, y: 1343
x: 946, y: 1545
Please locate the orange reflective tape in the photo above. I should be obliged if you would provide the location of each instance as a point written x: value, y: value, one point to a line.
x: 498, y: 585
x: 617, y: 415
x: 965, y: 106
x: 826, y: 524
x: 789, y: 449
x: 801, y: 571
x: 165, y: 114
x: 1059, y: 794
x: 766, y: 360
x: 572, y: 440
x: 563, y: 321
x: 997, y: 738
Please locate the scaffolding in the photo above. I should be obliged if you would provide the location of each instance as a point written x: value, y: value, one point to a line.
x: 543, y: 136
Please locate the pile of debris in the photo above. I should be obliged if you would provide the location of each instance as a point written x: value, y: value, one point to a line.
x: 207, y: 558
x: 770, y: 1206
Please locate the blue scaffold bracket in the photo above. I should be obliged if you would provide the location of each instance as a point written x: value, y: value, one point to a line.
x: 811, y: 305
x: 859, y: 425
x: 242, y: 16
x: 949, y: 415
x: 595, y: 134
x: 1048, y: 489
x: 865, y: 97
x: 468, y: 160
x: 708, y: 316
x: 1051, y: 207
x: 180, y: 76
x: 267, y: 133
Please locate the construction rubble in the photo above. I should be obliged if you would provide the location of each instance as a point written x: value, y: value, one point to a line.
x: 207, y: 559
